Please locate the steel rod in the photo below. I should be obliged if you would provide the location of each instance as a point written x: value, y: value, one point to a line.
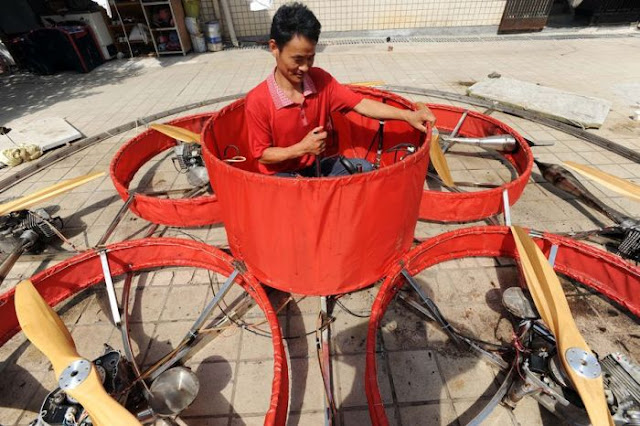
x: 111, y: 293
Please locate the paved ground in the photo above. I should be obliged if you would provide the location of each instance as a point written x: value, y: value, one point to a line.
x: 423, y: 379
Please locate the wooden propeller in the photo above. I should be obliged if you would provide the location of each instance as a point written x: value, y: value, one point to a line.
x: 577, y: 359
x: 47, y: 193
x: 437, y: 155
x: 614, y: 183
x: 44, y: 328
x: 176, y: 132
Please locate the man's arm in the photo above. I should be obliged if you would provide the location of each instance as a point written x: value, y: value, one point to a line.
x: 380, y: 111
x: 314, y: 143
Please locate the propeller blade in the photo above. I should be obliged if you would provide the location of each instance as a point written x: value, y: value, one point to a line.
x: 614, y: 183
x: 579, y: 362
x: 176, y: 132
x: 439, y: 162
x: 45, y: 194
x: 44, y: 328
x: 437, y: 155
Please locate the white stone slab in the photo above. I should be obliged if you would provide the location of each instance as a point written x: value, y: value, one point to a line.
x: 572, y: 108
x: 48, y: 133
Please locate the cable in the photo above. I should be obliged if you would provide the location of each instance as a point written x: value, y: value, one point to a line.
x: 350, y: 312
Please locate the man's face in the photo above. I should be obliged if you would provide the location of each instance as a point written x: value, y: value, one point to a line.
x: 295, y: 58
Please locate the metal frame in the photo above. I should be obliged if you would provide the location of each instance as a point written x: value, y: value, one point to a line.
x: 525, y: 15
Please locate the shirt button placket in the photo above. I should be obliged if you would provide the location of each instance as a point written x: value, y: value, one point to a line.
x: 303, y: 115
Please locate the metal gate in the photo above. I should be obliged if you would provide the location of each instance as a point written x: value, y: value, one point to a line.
x: 610, y: 11
x: 525, y: 15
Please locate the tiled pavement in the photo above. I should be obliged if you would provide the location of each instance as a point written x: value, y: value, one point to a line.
x: 423, y: 379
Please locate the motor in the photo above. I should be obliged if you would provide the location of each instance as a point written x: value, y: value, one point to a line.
x: 170, y: 393
x: 542, y: 375
x: 188, y: 159
x: 60, y: 409
x: 622, y: 238
x: 25, y: 230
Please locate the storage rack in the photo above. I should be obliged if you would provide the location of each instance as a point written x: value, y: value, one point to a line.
x: 121, y: 30
x: 179, y: 27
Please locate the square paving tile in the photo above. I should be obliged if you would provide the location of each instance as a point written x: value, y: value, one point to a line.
x: 416, y: 376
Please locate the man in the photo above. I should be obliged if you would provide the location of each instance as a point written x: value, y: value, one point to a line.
x: 288, y: 114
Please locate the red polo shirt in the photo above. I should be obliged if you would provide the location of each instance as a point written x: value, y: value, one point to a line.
x: 275, y: 120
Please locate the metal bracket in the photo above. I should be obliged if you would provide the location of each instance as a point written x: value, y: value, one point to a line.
x: 193, y: 332
x: 111, y: 293
x: 431, y: 306
x: 552, y: 255
x: 116, y: 220
x: 530, y: 377
x: 455, y: 131
x: 326, y: 366
x: 506, y: 207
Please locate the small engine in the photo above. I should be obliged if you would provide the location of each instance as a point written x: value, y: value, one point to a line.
x: 59, y: 409
x: 27, y: 229
x: 542, y: 375
x: 629, y: 248
x: 189, y: 160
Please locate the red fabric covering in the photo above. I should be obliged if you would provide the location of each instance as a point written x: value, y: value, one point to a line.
x: 602, y: 271
x: 321, y: 235
x: 67, y: 278
x: 470, y: 206
x: 274, y: 120
x: 135, y: 153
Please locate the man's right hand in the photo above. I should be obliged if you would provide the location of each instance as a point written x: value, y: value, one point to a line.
x: 315, y: 142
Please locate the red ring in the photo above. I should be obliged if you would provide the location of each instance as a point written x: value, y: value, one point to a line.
x: 319, y: 236
x: 602, y: 271
x: 67, y: 278
x: 469, y: 206
x: 135, y: 153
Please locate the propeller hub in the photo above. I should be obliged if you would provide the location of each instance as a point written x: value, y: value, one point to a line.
x: 583, y: 363
x: 74, y: 375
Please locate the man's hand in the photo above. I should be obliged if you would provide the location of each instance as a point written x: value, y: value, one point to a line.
x: 380, y: 111
x: 314, y: 143
x: 419, y: 117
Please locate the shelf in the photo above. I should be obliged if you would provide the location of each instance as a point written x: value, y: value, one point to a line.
x: 133, y: 42
x: 155, y: 3
x: 126, y: 3
x: 126, y: 25
x: 164, y: 29
x: 170, y: 52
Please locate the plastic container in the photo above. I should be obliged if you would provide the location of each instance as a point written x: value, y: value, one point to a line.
x: 198, y: 43
x: 193, y: 26
x: 191, y: 8
x: 212, y: 35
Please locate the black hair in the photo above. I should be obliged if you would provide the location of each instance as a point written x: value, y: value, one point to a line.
x: 294, y: 19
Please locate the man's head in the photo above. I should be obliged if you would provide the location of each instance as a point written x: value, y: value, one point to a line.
x: 294, y: 34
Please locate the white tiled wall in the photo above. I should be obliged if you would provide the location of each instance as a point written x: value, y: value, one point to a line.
x: 362, y: 15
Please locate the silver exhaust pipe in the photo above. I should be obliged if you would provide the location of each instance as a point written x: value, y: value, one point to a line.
x: 505, y: 143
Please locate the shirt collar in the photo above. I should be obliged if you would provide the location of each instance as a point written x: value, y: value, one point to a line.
x: 280, y: 99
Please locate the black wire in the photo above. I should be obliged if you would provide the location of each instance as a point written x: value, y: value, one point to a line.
x: 372, y: 142
x: 350, y: 312
x: 444, y: 323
